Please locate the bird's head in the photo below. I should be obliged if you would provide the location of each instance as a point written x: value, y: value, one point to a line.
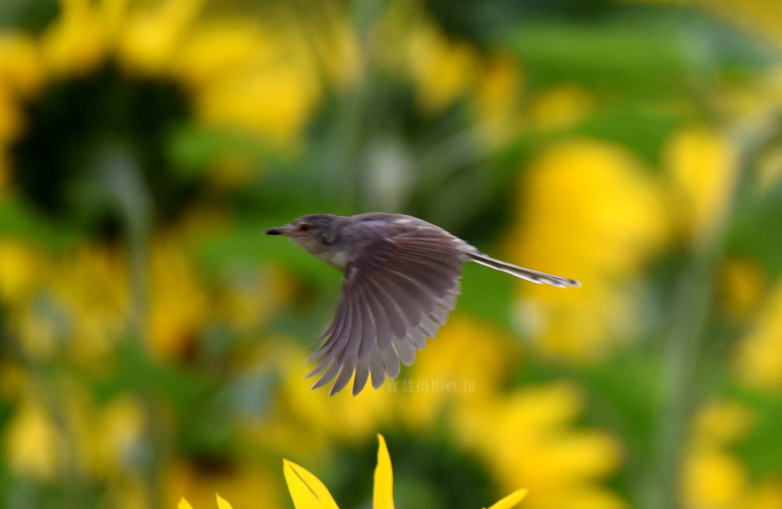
x: 313, y: 233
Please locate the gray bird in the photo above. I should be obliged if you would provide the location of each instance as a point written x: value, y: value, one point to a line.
x: 401, y: 281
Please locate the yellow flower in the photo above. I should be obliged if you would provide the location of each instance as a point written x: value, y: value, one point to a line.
x: 742, y: 285
x: 497, y: 100
x: 90, y: 284
x: 713, y: 476
x: 244, y: 484
x: 589, y: 211
x: 152, y: 38
x: 178, y: 304
x: 703, y: 167
x: 76, y: 43
x: 721, y: 422
x: 32, y: 442
x: 453, y: 357
x: 20, y: 268
x: 441, y: 69
x: 302, y: 421
x: 235, y: 74
x: 221, y: 503
x: 76, y: 305
x: 308, y: 492
x: 21, y: 71
x: 531, y: 444
x: 713, y: 479
x: 560, y: 107
x: 759, y: 360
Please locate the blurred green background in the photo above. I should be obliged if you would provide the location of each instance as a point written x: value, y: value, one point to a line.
x: 153, y: 340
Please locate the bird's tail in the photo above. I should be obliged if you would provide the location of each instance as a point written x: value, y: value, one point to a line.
x: 523, y: 273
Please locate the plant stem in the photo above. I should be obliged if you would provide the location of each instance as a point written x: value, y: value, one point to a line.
x: 125, y: 183
x: 692, y: 304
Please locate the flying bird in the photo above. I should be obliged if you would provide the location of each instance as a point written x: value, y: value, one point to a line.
x: 401, y: 281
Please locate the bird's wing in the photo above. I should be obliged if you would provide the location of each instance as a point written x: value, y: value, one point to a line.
x: 398, y: 290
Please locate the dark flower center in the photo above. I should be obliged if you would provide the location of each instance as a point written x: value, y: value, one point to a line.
x: 426, y: 474
x: 72, y: 132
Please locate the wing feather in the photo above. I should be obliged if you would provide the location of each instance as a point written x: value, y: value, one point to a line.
x: 399, y: 287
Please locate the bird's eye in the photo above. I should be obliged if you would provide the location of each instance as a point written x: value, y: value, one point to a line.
x: 303, y: 227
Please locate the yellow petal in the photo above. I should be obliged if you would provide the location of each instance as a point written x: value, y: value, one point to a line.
x: 511, y: 500
x: 222, y: 503
x: 384, y: 478
x: 184, y: 504
x: 306, y: 490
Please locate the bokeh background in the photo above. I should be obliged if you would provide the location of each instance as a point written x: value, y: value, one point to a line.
x: 153, y: 340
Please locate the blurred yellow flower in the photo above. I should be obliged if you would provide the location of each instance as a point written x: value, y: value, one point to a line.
x: 767, y: 496
x: 32, y: 442
x: 245, y: 300
x: 20, y: 268
x: 703, y: 166
x: 712, y: 475
x: 742, y: 284
x: 21, y: 72
x: 721, y: 422
x: 441, y: 70
x: 453, y: 356
x: 77, y: 305
x: 560, y: 107
x: 221, y: 503
x: 243, y: 484
x: 588, y: 211
x: 178, y: 303
x: 531, y: 443
x: 58, y: 428
x: 237, y: 75
x: 308, y: 492
x: 759, y: 360
x: 497, y: 99
x: 713, y: 479
x: 151, y: 38
x: 91, y: 286
x: 301, y: 421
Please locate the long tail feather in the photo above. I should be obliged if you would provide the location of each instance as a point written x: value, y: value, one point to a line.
x: 523, y: 273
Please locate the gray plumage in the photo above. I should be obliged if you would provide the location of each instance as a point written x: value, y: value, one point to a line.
x: 401, y: 281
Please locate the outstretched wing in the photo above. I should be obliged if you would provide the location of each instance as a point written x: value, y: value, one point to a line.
x: 399, y: 288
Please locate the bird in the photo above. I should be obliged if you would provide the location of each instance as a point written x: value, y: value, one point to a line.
x: 401, y: 279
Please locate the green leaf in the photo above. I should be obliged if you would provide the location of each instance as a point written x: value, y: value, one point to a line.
x: 135, y: 371
x: 487, y: 292
x: 192, y: 148
x: 755, y: 229
x: 18, y: 220
x: 642, y: 130
x: 762, y: 449
x: 637, y: 52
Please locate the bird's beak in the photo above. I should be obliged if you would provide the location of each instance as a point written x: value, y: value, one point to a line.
x: 277, y: 231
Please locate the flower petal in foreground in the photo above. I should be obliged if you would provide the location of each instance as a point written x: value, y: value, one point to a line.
x: 308, y: 492
x: 511, y: 500
x: 384, y: 478
x: 222, y: 503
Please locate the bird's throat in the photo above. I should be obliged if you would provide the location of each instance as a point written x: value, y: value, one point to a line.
x: 337, y: 258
